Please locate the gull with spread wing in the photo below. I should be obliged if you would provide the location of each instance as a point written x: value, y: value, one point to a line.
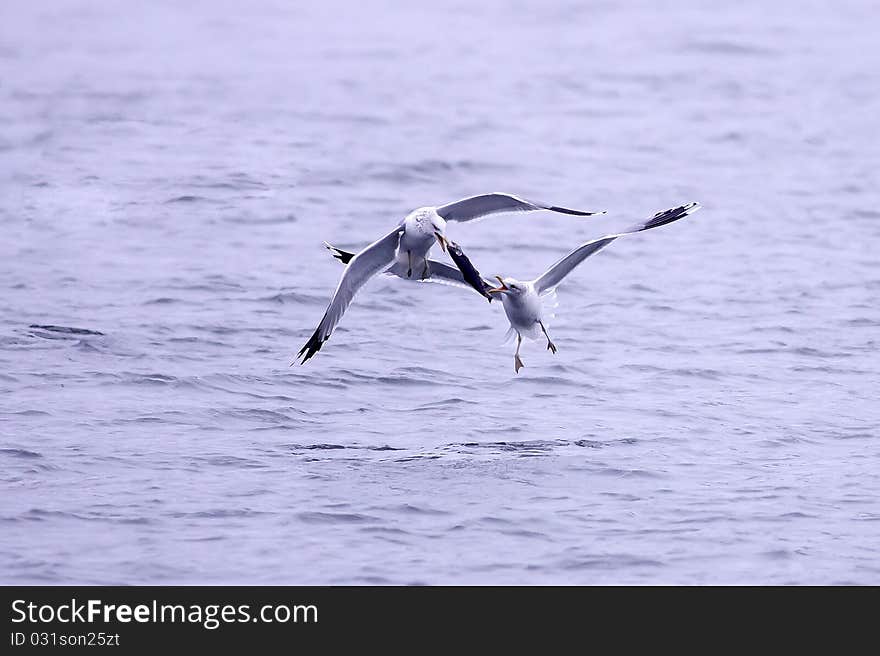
x: 404, y: 251
x: 522, y: 300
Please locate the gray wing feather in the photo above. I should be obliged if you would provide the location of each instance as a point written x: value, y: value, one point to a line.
x: 440, y: 272
x: 476, y: 207
x: 554, y: 275
x: 448, y: 275
x: 363, y: 266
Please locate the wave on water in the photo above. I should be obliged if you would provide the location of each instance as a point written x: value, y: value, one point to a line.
x: 20, y: 453
x: 189, y: 198
x: 64, y: 330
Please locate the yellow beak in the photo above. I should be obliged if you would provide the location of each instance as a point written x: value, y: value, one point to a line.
x: 498, y: 290
x: 441, y: 240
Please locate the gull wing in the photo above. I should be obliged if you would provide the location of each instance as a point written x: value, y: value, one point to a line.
x: 361, y: 267
x: 440, y: 272
x: 554, y: 275
x: 447, y: 275
x: 477, y: 207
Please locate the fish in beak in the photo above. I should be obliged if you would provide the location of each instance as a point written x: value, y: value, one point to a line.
x: 440, y: 240
x: 498, y: 290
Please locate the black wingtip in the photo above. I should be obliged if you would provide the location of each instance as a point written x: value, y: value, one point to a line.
x: 565, y: 210
x: 343, y: 256
x: 312, y: 346
x: 668, y: 216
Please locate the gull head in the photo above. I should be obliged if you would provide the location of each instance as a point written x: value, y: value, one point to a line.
x: 508, y: 287
x: 425, y: 223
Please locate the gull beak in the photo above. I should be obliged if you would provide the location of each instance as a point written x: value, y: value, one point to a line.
x: 441, y: 240
x: 498, y: 290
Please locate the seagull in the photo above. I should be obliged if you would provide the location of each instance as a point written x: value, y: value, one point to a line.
x: 523, y: 300
x: 404, y: 251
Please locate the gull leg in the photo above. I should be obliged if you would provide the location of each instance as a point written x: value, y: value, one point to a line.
x: 409, y: 260
x: 517, y: 363
x: 550, y: 345
x: 426, y: 271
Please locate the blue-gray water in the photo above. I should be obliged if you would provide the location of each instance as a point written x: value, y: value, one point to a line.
x: 167, y: 174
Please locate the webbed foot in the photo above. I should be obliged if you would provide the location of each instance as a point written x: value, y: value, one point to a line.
x: 517, y: 363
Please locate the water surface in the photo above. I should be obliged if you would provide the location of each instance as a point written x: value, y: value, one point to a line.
x: 168, y: 172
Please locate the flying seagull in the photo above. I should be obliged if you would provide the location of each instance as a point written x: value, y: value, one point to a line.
x: 404, y: 252
x: 522, y: 300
